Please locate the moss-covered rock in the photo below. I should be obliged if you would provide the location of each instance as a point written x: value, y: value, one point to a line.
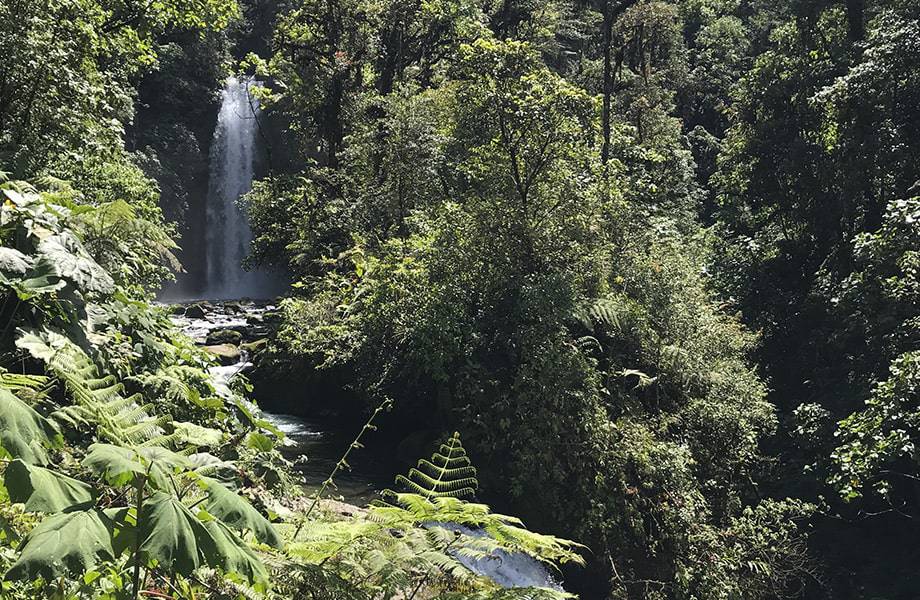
x: 255, y: 346
x: 224, y: 336
x: 195, y: 311
x: 227, y: 354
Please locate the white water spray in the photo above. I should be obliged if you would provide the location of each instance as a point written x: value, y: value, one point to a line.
x: 228, y: 236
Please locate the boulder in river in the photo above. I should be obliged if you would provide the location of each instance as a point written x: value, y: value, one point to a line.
x: 272, y: 316
x: 224, y: 336
x: 255, y: 346
x: 227, y: 354
x: 195, y: 311
x: 233, y: 308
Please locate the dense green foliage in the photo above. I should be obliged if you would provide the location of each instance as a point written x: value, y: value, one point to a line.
x: 657, y: 260
x: 531, y: 222
x: 129, y: 470
x: 546, y: 301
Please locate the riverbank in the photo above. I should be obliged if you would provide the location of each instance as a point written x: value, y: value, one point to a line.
x: 314, y: 444
x: 235, y: 332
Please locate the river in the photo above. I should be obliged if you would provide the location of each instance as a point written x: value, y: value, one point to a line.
x: 321, y: 441
x: 232, y: 168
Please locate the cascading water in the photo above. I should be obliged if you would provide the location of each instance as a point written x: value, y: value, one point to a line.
x: 232, y: 163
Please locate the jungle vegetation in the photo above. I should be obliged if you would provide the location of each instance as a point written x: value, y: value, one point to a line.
x: 645, y: 272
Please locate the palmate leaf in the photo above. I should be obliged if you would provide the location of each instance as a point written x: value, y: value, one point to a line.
x: 120, y: 465
x: 170, y: 533
x: 162, y: 463
x: 65, y: 544
x: 173, y: 537
x: 116, y: 464
x: 125, y: 530
x: 73, y: 262
x: 28, y: 277
x: 24, y: 433
x: 225, y: 551
x: 42, y: 490
x: 44, y: 346
x: 43, y: 278
x: 203, y: 463
x: 13, y: 262
x: 238, y: 513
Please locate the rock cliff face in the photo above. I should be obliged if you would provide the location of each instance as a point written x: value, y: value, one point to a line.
x: 172, y: 133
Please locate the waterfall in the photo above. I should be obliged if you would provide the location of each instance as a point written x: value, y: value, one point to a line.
x: 227, y: 233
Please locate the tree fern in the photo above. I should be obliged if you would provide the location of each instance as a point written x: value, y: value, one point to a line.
x: 449, y: 473
x: 615, y: 314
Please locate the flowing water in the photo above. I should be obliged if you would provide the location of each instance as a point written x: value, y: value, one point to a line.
x: 232, y: 168
x: 322, y: 443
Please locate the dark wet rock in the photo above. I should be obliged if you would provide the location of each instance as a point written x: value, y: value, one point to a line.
x: 272, y: 316
x: 227, y: 354
x: 195, y: 311
x: 233, y: 308
x: 255, y: 346
x: 224, y: 336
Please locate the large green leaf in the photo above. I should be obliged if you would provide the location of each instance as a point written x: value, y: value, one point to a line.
x: 74, y: 263
x: 238, y: 513
x: 44, y: 345
x: 43, y: 278
x: 178, y: 540
x: 64, y: 544
x: 42, y: 490
x: 125, y: 530
x: 120, y: 464
x: 225, y: 551
x: 170, y: 534
x: 24, y: 433
x: 117, y: 464
x: 26, y: 275
x: 162, y: 463
x: 13, y: 262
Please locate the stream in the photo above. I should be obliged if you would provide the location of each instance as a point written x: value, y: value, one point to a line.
x: 323, y: 444
x: 322, y: 441
x: 230, y: 329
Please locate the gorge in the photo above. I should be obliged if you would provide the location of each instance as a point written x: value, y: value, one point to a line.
x: 631, y: 286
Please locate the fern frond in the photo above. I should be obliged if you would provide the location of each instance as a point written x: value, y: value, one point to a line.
x: 164, y: 441
x: 16, y: 382
x: 615, y: 314
x: 449, y: 473
x: 425, y: 485
x: 98, y: 398
x: 144, y: 431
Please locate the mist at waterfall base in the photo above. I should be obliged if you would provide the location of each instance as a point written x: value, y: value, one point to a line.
x: 233, y: 160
